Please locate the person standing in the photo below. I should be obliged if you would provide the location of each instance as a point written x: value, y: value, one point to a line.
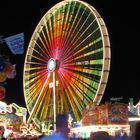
x: 62, y: 129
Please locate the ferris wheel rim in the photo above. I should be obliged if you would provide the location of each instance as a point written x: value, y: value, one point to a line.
x: 106, y: 47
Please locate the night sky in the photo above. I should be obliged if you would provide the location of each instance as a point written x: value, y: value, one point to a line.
x: 122, y: 21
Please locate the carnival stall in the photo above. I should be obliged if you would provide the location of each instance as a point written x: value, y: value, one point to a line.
x: 107, y: 117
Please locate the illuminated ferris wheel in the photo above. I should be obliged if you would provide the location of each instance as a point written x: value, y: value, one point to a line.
x: 67, y: 61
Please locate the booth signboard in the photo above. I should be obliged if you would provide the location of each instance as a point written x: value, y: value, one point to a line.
x: 118, y: 113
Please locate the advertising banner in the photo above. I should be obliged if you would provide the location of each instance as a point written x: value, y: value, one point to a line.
x: 16, y: 43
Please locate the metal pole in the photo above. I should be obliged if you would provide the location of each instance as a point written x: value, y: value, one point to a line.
x: 54, y: 101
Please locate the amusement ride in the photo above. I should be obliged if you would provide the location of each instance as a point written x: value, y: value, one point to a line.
x: 67, y: 62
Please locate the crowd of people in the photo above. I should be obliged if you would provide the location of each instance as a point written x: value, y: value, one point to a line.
x: 101, y: 135
x: 62, y: 131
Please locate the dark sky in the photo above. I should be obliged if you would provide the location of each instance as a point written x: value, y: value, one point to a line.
x: 122, y: 21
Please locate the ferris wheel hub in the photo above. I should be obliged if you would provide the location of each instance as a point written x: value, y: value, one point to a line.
x: 51, y: 65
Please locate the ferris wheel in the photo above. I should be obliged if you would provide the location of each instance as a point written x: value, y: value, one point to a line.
x: 67, y: 61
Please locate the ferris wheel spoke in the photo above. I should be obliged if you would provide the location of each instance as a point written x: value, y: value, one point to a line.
x: 36, y: 76
x: 72, y: 104
x: 92, y: 47
x: 38, y: 100
x: 34, y: 87
x: 89, y: 49
x: 87, y: 72
x: 45, y: 44
x: 71, y: 90
x: 66, y: 20
x: 50, y: 29
x: 78, y: 32
x: 81, y: 34
x: 42, y: 106
x: 79, y: 95
x: 35, y: 63
x: 86, y: 82
x: 79, y: 51
x: 38, y: 49
x: 66, y: 106
x: 84, y: 90
x: 75, y: 24
x: 65, y: 78
x: 35, y: 58
x: 64, y: 28
x: 89, y: 57
x: 80, y: 48
x: 62, y: 24
x: 46, y: 105
x: 87, y: 66
x: 44, y: 35
x: 87, y: 87
x: 69, y: 20
x: 34, y: 90
x: 40, y: 43
x: 47, y: 36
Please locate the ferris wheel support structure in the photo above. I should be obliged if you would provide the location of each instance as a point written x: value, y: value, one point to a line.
x: 37, y: 102
x: 54, y: 100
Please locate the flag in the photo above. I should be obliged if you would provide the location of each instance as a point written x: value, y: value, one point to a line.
x: 16, y: 43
